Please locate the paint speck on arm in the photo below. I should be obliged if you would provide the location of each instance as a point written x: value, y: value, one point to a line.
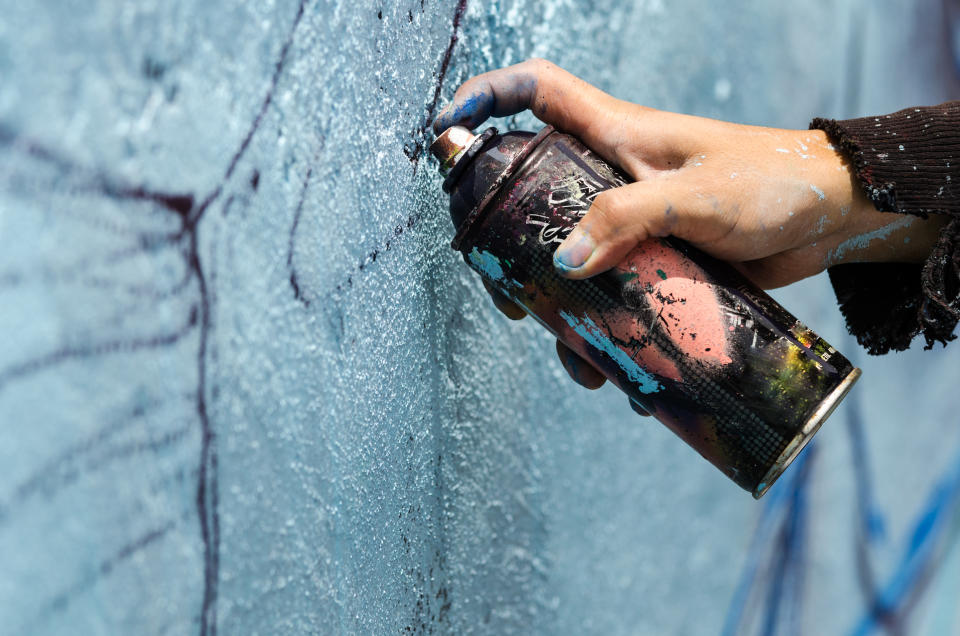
x: 783, y: 150
x: 821, y: 224
x: 820, y: 194
x: 862, y: 241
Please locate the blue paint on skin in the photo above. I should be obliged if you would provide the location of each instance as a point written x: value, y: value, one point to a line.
x: 498, y: 95
x: 591, y: 333
x: 820, y: 194
x: 574, y: 252
x: 861, y: 241
x: 473, y: 110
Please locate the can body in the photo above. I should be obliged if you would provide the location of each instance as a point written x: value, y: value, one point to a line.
x: 685, y: 336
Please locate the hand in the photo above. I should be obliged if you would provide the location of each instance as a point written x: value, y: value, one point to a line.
x: 779, y: 205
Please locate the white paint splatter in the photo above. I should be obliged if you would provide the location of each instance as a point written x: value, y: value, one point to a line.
x: 821, y: 224
x: 722, y: 89
x: 819, y: 192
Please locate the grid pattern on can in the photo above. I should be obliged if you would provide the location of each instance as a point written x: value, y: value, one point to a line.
x: 742, y: 435
x: 585, y: 291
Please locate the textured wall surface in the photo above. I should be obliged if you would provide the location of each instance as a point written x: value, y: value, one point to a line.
x: 247, y: 388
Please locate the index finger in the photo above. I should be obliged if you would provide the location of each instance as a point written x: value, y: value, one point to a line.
x: 555, y: 96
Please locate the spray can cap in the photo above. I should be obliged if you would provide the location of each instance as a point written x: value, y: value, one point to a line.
x: 450, y: 147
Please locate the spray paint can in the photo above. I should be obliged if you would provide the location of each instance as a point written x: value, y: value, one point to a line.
x: 684, y: 335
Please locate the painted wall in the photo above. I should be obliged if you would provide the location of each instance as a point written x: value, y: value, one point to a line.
x: 247, y: 388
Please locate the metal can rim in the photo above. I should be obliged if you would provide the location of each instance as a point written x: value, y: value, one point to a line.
x: 812, y: 425
x: 511, y: 168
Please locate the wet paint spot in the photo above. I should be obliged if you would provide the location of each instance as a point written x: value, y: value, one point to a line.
x: 662, y: 274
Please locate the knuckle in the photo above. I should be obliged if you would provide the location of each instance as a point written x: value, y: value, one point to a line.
x: 538, y: 63
x: 609, y: 211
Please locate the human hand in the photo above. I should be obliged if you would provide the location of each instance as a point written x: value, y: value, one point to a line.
x: 779, y: 205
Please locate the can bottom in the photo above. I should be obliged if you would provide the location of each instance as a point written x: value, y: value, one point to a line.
x: 806, y: 433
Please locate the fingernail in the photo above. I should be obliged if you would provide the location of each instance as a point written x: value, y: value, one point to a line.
x: 570, y: 362
x: 639, y: 410
x: 575, y: 250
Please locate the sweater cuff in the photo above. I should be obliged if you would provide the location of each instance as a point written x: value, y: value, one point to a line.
x: 907, y: 162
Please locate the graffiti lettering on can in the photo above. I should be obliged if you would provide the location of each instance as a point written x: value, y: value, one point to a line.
x: 569, y: 202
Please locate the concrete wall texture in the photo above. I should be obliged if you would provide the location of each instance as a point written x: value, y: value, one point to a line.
x: 247, y: 388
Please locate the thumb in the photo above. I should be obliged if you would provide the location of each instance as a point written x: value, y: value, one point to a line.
x: 617, y: 220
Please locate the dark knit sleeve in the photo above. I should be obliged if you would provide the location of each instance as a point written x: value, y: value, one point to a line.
x: 908, y: 162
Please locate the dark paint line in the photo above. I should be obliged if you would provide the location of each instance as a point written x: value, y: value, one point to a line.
x: 47, y: 479
x: 35, y: 365
x: 185, y: 207
x: 414, y: 148
x: 294, y: 282
x: 207, y: 499
x: 107, y: 566
x: 268, y: 99
x: 384, y: 246
x: 176, y: 202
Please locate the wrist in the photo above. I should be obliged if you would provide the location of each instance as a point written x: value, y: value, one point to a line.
x: 873, y: 236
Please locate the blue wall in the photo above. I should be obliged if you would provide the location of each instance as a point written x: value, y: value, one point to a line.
x: 246, y: 387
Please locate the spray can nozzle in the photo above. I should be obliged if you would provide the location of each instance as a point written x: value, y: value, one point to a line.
x: 450, y: 146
